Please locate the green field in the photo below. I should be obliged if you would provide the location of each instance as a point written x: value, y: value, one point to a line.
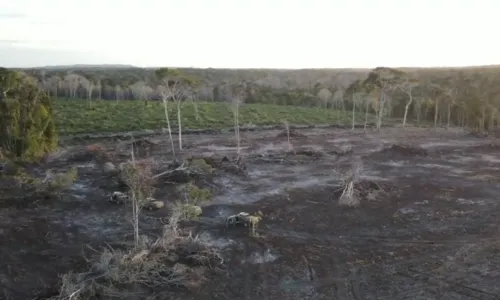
x: 74, y: 116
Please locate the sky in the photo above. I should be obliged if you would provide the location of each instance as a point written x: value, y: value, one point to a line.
x: 250, y: 33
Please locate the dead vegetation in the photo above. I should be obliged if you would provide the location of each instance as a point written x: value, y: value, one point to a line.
x: 354, y: 188
x: 34, y: 187
x: 55, y: 183
x: 349, y: 181
x: 175, y: 260
x: 181, y: 260
x: 404, y: 150
x: 290, y: 133
x: 373, y: 191
x: 216, y: 163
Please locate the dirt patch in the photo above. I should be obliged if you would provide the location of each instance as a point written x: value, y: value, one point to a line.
x: 292, y: 133
x: 400, y: 151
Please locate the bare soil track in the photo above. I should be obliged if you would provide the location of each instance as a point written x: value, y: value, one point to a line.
x: 428, y: 226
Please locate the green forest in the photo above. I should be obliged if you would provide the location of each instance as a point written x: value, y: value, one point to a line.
x: 440, y: 96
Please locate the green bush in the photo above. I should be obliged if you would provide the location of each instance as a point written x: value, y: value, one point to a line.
x: 27, y: 130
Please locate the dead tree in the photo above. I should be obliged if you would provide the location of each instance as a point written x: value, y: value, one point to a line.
x: 176, y: 85
x: 407, y: 87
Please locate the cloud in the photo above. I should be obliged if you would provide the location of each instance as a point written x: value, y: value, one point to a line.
x: 12, y: 15
x: 9, y: 42
x: 18, y: 55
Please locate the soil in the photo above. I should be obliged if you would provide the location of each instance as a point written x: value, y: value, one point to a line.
x: 427, y: 226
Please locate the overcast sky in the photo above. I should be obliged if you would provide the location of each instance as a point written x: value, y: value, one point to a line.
x: 250, y: 33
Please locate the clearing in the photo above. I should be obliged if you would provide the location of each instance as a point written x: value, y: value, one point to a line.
x: 427, y: 226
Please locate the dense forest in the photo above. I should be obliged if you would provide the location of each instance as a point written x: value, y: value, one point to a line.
x: 445, y: 96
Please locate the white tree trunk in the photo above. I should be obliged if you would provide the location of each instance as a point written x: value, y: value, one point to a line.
x: 448, y: 117
x: 353, y: 112
x: 89, y: 97
x: 179, y: 124
x: 380, y: 110
x: 419, y: 109
x: 407, y: 106
x: 367, y: 106
x: 165, y: 106
x: 436, y: 111
x: 135, y: 218
x: 135, y: 208
x: 196, y: 112
x: 237, y: 128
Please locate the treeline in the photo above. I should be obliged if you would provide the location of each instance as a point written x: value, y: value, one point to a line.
x: 465, y: 97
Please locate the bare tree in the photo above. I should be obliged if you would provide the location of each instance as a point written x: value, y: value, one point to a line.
x: 206, y: 92
x: 141, y: 91
x: 338, y: 101
x: 118, y: 92
x: 452, y: 91
x: 237, y: 95
x: 356, y: 97
x: 384, y: 80
x: 72, y: 82
x: 193, y: 95
x: 88, y: 85
x: 407, y: 87
x: 434, y: 93
x: 52, y: 85
x: 165, y: 95
x: 324, y: 95
x: 98, y: 86
x: 177, y: 86
x: 355, y: 89
x: 367, y: 101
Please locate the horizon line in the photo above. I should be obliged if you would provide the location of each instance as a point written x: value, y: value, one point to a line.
x: 243, y: 68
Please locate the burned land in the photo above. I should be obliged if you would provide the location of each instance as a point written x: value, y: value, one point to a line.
x: 424, y: 224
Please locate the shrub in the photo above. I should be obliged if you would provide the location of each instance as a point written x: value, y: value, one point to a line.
x: 201, y: 166
x: 197, y: 195
x: 138, y: 177
x: 191, y: 212
x: 27, y: 130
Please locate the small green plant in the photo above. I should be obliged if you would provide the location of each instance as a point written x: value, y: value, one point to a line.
x: 191, y: 212
x: 23, y: 178
x: 52, y: 185
x: 63, y: 180
x: 196, y: 195
x: 138, y: 176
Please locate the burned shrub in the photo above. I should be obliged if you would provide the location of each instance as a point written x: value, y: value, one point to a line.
x: 193, y: 168
x: 175, y: 260
x: 349, y: 181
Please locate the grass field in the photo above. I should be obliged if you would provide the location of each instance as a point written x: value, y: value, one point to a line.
x: 74, y: 116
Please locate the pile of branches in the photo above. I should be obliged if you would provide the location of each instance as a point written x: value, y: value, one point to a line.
x: 349, y: 180
x: 231, y: 165
x: 175, y: 260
